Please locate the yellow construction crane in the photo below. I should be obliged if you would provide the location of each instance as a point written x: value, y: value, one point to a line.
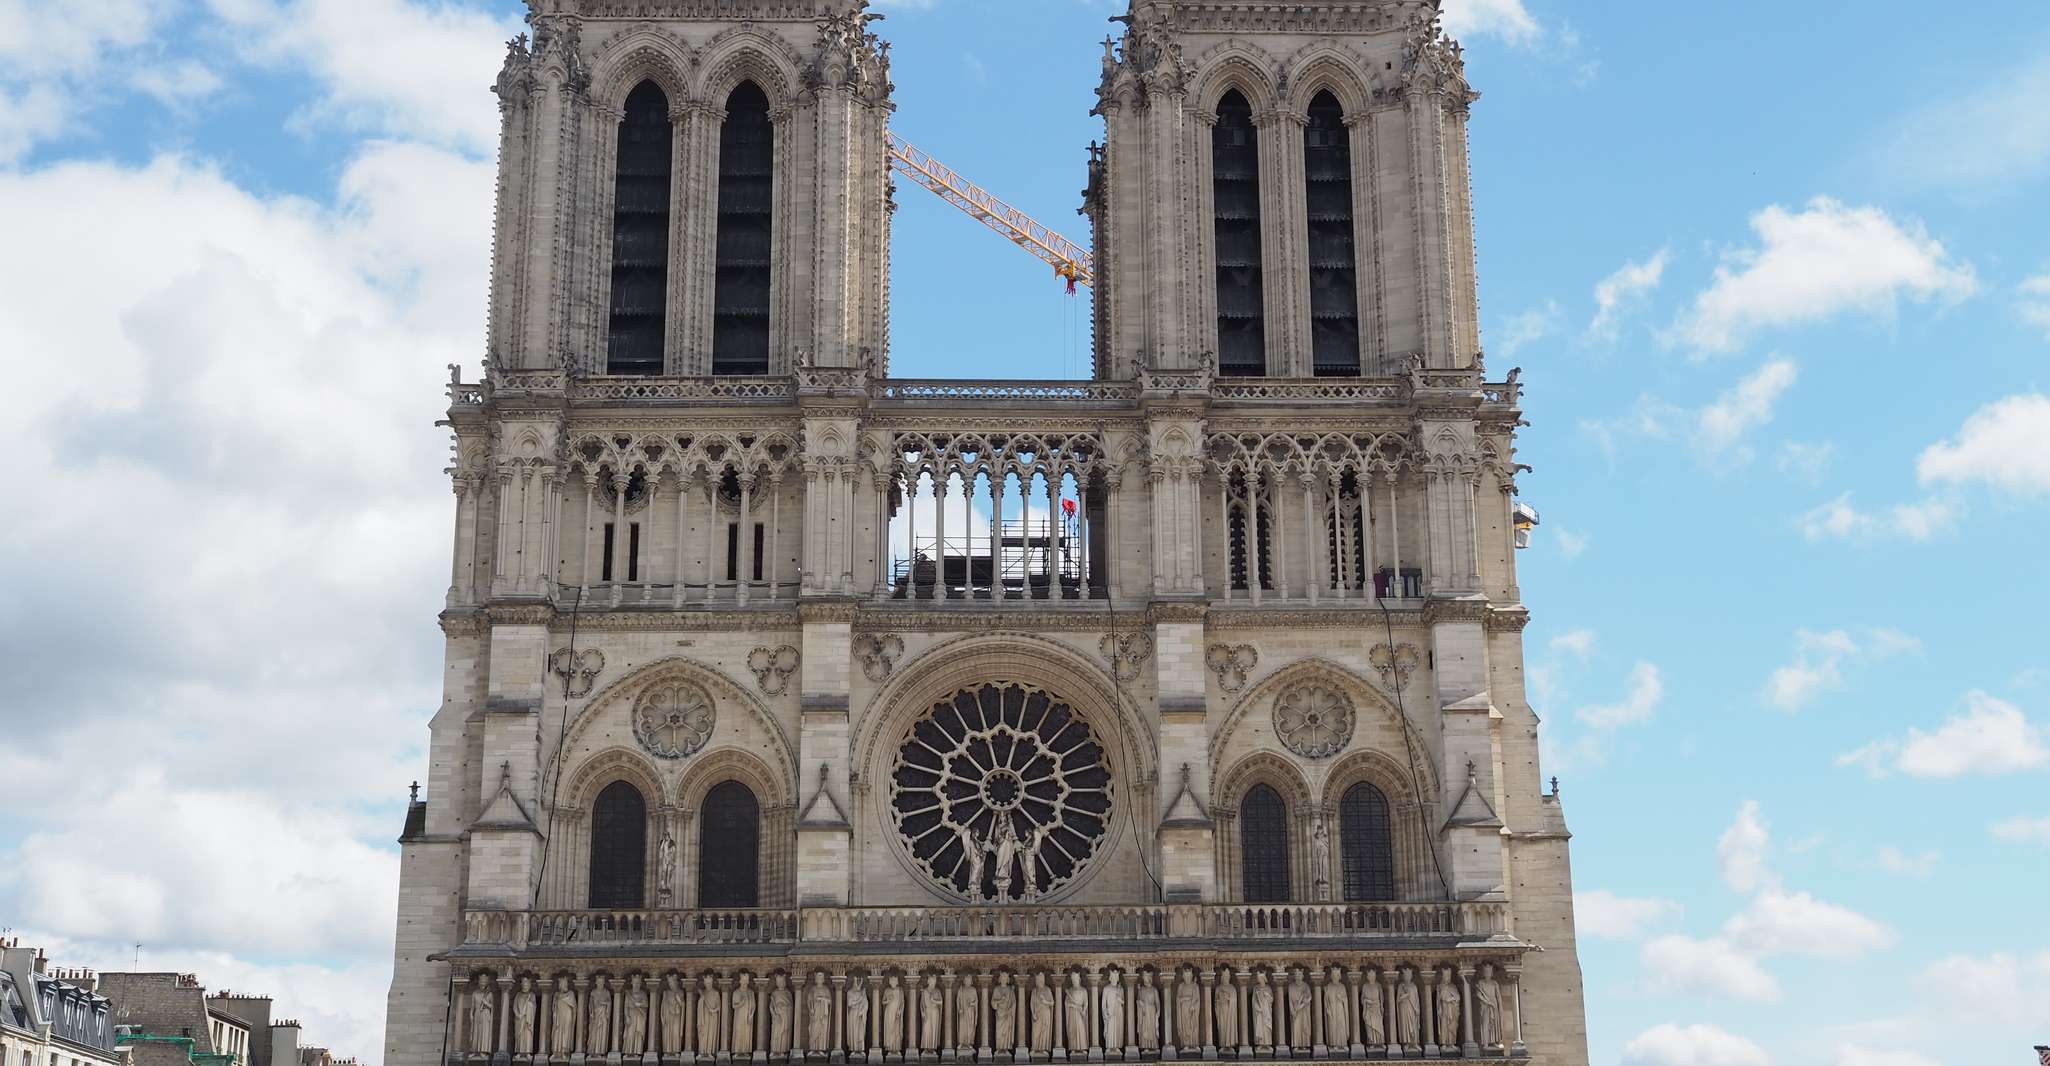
x: 1070, y: 261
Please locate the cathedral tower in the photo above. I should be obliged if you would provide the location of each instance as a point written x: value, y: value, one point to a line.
x: 798, y: 713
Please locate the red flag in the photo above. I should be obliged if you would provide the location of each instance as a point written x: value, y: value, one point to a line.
x: 1068, y: 508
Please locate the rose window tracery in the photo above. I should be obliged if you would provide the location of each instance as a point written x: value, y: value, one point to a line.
x: 1313, y: 720
x: 674, y: 719
x: 1001, y: 792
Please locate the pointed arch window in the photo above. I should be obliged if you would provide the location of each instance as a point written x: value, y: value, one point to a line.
x: 729, y: 850
x: 747, y: 178
x: 1334, y: 292
x: 1263, y: 832
x: 1235, y: 209
x: 1366, y: 845
x: 619, y: 848
x: 640, y: 234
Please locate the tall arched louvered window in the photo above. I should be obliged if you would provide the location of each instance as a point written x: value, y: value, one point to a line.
x: 747, y: 177
x: 619, y: 848
x: 640, y: 235
x: 1366, y: 844
x: 1334, y: 292
x: 729, y: 849
x: 1235, y: 196
x: 1263, y: 845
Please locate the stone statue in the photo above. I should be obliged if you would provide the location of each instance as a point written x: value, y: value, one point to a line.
x: 670, y: 1016
x: 1003, y: 843
x: 857, y: 1014
x: 818, y: 1014
x: 1337, y: 1004
x: 665, y: 871
x: 779, y: 1016
x: 562, y: 1027
x: 1448, y: 1009
x: 1262, y: 1001
x: 599, y: 1040
x: 1487, y: 1008
x: 484, y: 1016
x: 710, y: 1010
x: 1146, y: 1005
x: 1075, y: 1016
x: 1320, y: 861
x: 1114, y: 1011
x: 633, y: 1019
x: 1373, y: 1012
x: 1299, y: 1009
x: 932, y: 1011
x: 742, y: 1042
x: 523, y: 1018
x: 967, y: 1012
x: 1225, y: 1006
x: 1042, y: 1013
x: 972, y: 848
x: 1188, y: 1012
x: 1408, y: 1012
x: 893, y: 1015
x: 1003, y: 1001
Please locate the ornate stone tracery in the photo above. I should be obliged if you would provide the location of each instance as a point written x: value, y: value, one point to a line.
x: 1313, y: 720
x: 673, y: 719
x: 1002, y: 792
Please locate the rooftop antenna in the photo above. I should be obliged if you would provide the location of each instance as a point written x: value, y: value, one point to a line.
x: 137, y: 966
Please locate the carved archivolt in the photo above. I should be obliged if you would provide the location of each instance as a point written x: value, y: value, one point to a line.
x: 1313, y: 720
x: 674, y: 719
x: 740, y: 713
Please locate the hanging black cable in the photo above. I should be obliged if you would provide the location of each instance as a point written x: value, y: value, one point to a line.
x: 1415, y: 744
x: 562, y: 736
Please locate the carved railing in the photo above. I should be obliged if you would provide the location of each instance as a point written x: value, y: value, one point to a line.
x: 1033, y: 391
x: 1334, y: 390
x: 1215, y: 921
x: 726, y: 390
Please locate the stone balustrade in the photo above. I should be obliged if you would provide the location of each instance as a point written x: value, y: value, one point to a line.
x: 1465, y: 1004
x: 1221, y: 922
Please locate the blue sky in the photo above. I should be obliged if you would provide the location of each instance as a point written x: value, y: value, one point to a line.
x: 1777, y: 275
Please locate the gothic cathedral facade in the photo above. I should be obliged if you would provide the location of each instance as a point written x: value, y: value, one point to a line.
x: 799, y: 713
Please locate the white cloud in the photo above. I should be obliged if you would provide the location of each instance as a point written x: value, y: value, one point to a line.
x: 1507, y: 19
x: 1692, y: 1045
x: 1815, y: 263
x: 1536, y: 324
x: 1795, y: 923
x: 417, y: 70
x: 2034, y: 303
x: 1991, y: 132
x: 1819, y: 661
x: 1895, y: 861
x: 1717, y: 432
x: 1840, y: 519
x: 249, y: 389
x: 1614, y: 294
x: 1684, y: 965
x: 1572, y: 543
x: 1804, y: 460
x: 53, y: 54
x: 1577, y: 641
x: 2005, y: 444
x: 178, y: 82
x: 1742, y: 849
x: 1998, y: 989
x: 2023, y: 830
x: 1647, y: 689
x: 1991, y: 737
x: 1604, y: 914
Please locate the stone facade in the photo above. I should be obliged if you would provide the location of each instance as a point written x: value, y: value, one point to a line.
x: 819, y: 715
x: 52, y: 1017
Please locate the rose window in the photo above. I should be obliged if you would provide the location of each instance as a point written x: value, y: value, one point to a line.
x: 1001, y: 793
x: 674, y: 719
x: 1313, y: 721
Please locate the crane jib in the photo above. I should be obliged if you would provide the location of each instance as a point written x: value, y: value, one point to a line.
x: 1070, y: 261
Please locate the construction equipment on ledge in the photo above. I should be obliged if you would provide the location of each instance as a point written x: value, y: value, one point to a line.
x: 1070, y: 261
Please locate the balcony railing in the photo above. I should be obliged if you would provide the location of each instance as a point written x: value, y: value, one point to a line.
x: 862, y: 925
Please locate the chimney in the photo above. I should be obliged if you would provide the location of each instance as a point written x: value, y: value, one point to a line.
x: 284, y: 1043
